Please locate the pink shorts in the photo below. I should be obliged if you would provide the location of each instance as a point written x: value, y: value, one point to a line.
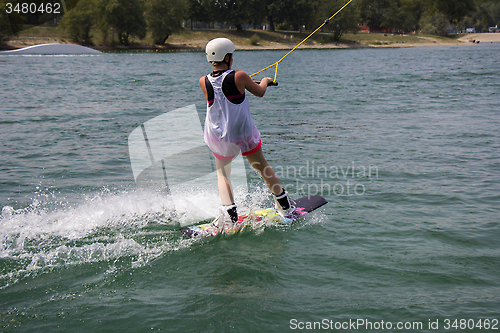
x: 227, y: 158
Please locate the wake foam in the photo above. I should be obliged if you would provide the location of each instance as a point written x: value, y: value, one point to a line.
x: 128, y: 228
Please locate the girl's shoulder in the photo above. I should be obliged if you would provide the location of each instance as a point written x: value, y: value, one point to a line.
x: 240, y: 75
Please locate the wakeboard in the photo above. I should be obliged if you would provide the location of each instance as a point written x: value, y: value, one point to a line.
x: 303, y: 206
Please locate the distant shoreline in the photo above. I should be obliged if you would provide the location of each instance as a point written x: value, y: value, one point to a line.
x: 186, y: 42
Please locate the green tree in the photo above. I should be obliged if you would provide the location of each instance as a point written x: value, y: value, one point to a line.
x: 257, y: 13
x: 302, y: 13
x: 10, y: 24
x: 212, y: 11
x: 5, y: 29
x: 484, y: 13
x: 79, y: 21
x: 126, y: 17
x: 455, y: 10
x: 345, y: 20
x: 286, y: 13
x: 413, y: 9
x: 164, y: 17
x: 234, y: 12
x: 196, y: 12
x: 490, y: 12
x: 272, y: 13
x: 398, y: 17
x: 373, y: 12
x: 435, y: 25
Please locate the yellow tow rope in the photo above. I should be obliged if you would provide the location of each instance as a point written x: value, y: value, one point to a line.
x: 286, y: 55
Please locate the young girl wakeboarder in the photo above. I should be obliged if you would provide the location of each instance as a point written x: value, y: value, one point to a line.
x: 230, y: 130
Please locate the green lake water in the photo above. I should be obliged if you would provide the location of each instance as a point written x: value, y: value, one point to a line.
x: 403, y: 143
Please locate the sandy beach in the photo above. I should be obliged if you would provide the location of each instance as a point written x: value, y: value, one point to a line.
x: 481, y: 37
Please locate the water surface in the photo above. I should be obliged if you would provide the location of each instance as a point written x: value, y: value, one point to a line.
x: 403, y: 143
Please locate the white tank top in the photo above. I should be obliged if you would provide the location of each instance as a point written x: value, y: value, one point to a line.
x: 229, y: 128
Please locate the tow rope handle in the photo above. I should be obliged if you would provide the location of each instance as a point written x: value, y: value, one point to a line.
x: 272, y: 83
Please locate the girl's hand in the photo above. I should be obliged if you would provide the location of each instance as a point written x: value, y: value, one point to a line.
x: 267, y: 80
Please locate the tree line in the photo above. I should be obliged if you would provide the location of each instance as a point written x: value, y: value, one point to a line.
x: 162, y: 18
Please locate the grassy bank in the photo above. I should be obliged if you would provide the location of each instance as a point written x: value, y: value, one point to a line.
x: 288, y: 39
x: 248, y: 39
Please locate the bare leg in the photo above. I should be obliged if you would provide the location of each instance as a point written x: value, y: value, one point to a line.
x: 224, y: 181
x: 259, y: 163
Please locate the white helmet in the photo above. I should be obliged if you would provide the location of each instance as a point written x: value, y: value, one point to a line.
x: 217, y: 49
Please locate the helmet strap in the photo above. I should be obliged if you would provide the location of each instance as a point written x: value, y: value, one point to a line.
x: 228, y: 63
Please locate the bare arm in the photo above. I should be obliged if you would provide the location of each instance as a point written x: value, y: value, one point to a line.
x: 203, y: 87
x: 244, y: 81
